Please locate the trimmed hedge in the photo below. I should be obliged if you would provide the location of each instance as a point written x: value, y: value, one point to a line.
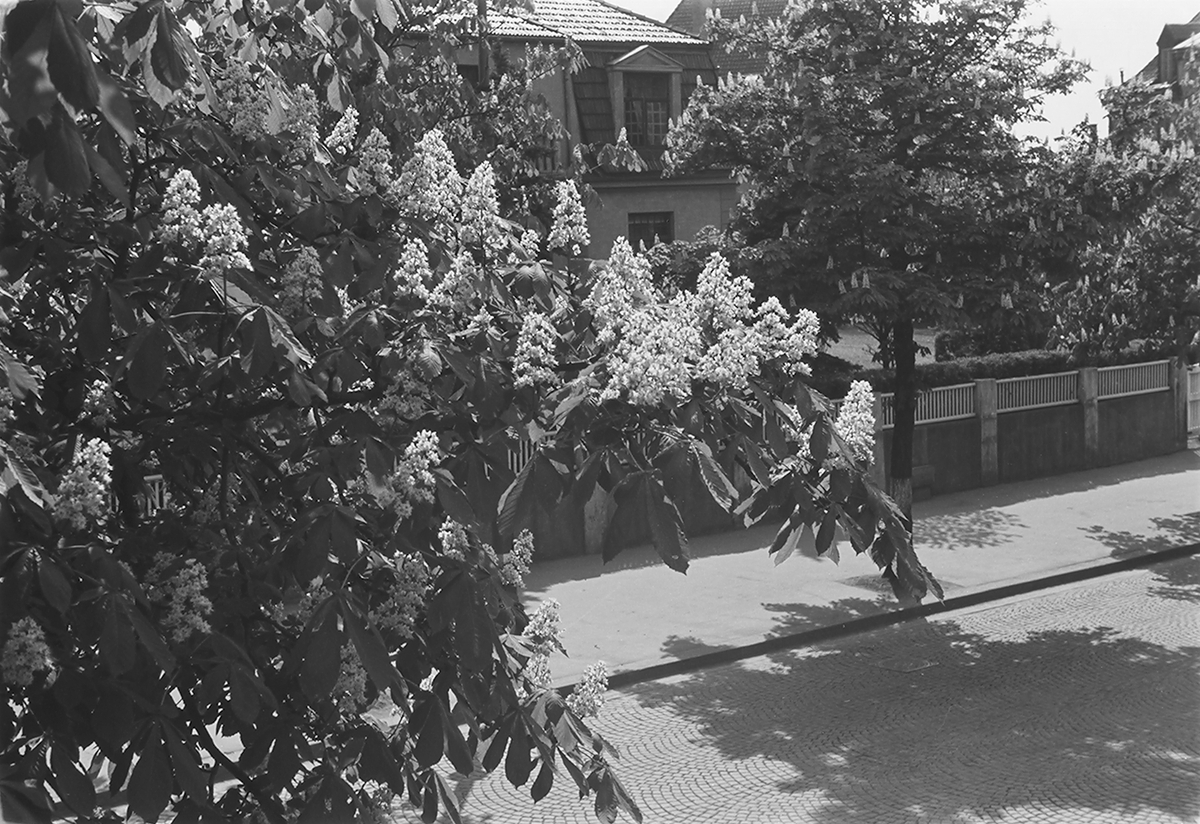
x: 836, y: 383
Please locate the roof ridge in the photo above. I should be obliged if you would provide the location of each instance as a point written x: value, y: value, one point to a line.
x: 647, y: 19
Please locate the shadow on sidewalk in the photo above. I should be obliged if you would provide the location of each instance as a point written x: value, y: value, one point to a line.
x: 1180, y: 580
x: 1008, y: 494
x: 586, y: 567
x: 942, y: 724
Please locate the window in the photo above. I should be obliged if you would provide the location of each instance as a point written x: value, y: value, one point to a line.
x: 649, y: 228
x: 647, y: 107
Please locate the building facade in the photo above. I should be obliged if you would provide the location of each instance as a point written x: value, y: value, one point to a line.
x: 636, y: 75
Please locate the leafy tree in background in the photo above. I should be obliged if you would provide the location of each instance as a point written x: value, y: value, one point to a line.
x: 283, y: 256
x: 1120, y: 230
x: 879, y: 141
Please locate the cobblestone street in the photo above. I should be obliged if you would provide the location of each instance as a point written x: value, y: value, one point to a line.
x: 1077, y: 704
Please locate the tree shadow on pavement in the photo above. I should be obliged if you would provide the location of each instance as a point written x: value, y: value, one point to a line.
x: 931, y: 722
x: 972, y: 528
x: 1180, y: 581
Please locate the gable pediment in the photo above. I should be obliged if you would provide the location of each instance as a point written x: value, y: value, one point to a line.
x: 646, y: 59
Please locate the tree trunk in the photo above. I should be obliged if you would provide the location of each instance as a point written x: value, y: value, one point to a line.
x: 905, y: 409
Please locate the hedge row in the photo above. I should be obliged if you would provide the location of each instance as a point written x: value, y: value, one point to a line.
x: 836, y: 383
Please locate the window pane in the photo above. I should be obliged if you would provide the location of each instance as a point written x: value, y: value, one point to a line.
x: 647, y: 107
x: 648, y: 228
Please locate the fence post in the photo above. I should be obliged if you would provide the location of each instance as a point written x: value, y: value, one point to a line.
x: 1179, y: 391
x: 1089, y: 390
x: 989, y: 443
x: 878, y: 467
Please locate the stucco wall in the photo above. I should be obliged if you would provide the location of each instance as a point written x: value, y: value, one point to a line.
x: 1136, y: 427
x: 696, y: 204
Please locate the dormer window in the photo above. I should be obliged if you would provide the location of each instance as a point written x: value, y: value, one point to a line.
x: 647, y: 107
x: 646, y: 88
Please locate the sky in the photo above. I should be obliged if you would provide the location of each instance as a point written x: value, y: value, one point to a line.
x: 1112, y: 35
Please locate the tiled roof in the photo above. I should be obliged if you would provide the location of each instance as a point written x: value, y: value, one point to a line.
x: 690, y: 15
x: 586, y: 21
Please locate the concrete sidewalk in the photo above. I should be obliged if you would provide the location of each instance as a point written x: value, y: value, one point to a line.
x: 635, y: 613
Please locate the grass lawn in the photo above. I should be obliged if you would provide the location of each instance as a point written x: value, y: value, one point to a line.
x: 857, y: 346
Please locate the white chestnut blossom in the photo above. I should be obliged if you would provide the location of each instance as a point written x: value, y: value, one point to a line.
x: 531, y: 242
x: 544, y: 632
x: 375, y: 163
x: 301, y: 117
x: 515, y: 565
x: 723, y: 301
x: 534, y: 360
x: 456, y: 289
x: 856, y: 421
x: 182, y: 595
x: 411, y: 482
x: 406, y: 596
x: 83, y: 494
x: 622, y: 286
x: 350, y: 690
x: 454, y: 540
x: 412, y: 274
x: 481, y: 225
x: 430, y: 186
x: 341, y: 139
x: 181, y: 222
x: 569, y: 231
x: 655, y: 357
x: 587, y: 699
x: 25, y: 653
x: 98, y: 403
x: 787, y: 343
x: 302, y: 283
x: 225, y: 241
x: 241, y: 99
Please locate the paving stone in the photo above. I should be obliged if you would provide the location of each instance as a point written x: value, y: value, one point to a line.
x: 1075, y: 705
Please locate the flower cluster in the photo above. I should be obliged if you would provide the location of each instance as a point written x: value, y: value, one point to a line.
x: 456, y: 288
x: 412, y: 275
x: 430, y: 186
x: 534, y: 360
x: 225, y: 240
x: 454, y: 540
x: 569, y: 231
x: 621, y: 287
x: 713, y: 334
x: 98, y: 403
x: 302, y: 283
x: 350, y: 690
x: 301, y: 119
x: 587, y: 699
x: 27, y: 196
x: 375, y: 163
x: 405, y: 596
x: 341, y: 139
x: 25, y: 654
x: 407, y: 396
x: 655, y: 356
x: 722, y: 300
x: 241, y: 99
x: 481, y: 211
x: 6, y: 410
x: 788, y: 344
x: 516, y: 563
x: 545, y: 634
x: 856, y: 421
x: 182, y: 594
x: 181, y: 220
x: 83, y: 493
x: 411, y: 482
